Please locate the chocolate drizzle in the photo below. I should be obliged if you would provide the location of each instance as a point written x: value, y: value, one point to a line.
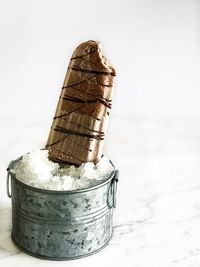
x: 93, y: 71
x: 91, y: 136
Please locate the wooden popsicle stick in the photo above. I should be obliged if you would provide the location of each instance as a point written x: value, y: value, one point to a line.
x: 79, y: 125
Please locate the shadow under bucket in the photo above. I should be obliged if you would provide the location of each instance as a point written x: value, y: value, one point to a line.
x: 61, y: 225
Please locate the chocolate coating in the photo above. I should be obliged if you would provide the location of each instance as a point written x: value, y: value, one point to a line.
x: 79, y: 125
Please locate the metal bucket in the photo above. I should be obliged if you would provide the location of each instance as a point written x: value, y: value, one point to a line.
x: 61, y: 225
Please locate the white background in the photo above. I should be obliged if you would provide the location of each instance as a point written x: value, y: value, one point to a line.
x: 153, y: 44
x: 154, y: 131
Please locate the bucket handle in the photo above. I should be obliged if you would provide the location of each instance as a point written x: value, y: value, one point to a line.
x: 9, y: 176
x: 113, y: 190
x: 8, y: 179
x: 10, y: 166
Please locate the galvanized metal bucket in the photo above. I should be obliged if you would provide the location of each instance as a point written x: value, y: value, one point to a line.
x: 61, y: 225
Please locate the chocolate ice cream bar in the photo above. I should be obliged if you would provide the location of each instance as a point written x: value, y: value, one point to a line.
x: 79, y: 125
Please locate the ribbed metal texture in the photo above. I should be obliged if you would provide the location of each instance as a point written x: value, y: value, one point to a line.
x: 61, y: 225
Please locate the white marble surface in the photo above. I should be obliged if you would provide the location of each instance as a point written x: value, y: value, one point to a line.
x: 157, y: 220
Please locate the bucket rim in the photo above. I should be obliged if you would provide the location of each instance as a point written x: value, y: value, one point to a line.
x: 51, y: 191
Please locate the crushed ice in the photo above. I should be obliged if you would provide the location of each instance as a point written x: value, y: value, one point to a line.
x: 37, y: 170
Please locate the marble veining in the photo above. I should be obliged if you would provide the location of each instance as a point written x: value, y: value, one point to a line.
x: 157, y: 220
